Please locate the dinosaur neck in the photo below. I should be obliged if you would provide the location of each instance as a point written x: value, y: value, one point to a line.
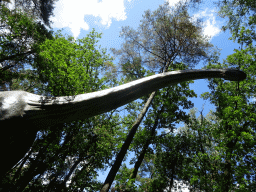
x: 67, y: 109
x: 43, y: 112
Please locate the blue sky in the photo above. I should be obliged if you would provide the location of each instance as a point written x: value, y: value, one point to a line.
x: 78, y: 17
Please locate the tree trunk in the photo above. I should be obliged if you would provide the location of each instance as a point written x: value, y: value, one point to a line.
x: 144, y: 150
x: 112, y: 173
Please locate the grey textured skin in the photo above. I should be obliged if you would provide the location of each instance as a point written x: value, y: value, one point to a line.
x: 22, y: 114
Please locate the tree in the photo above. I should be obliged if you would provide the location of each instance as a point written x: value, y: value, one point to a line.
x: 232, y: 136
x: 42, y: 9
x: 237, y: 116
x: 164, y: 38
x: 239, y: 11
x: 19, y: 42
x: 233, y: 99
x: 202, y: 161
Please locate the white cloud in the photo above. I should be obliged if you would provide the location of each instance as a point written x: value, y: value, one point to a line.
x: 11, y: 5
x: 211, y: 28
x: 73, y: 14
x: 172, y: 3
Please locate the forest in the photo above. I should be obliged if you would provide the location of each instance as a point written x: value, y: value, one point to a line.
x: 209, y: 153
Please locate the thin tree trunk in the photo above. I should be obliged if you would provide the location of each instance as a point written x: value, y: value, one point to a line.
x: 144, y: 150
x: 112, y: 173
x: 114, y: 169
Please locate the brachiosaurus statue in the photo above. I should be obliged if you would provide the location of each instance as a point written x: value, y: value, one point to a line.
x: 23, y: 114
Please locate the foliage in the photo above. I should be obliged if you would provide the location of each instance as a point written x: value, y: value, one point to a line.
x: 38, y: 9
x: 121, y: 178
x: 241, y: 15
x: 233, y: 101
x: 65, y: 63
x: 164, y: 36
x: 19, y: 40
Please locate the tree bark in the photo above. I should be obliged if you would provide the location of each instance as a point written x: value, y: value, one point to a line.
x: 144, y: 150
x: 112, y: 173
